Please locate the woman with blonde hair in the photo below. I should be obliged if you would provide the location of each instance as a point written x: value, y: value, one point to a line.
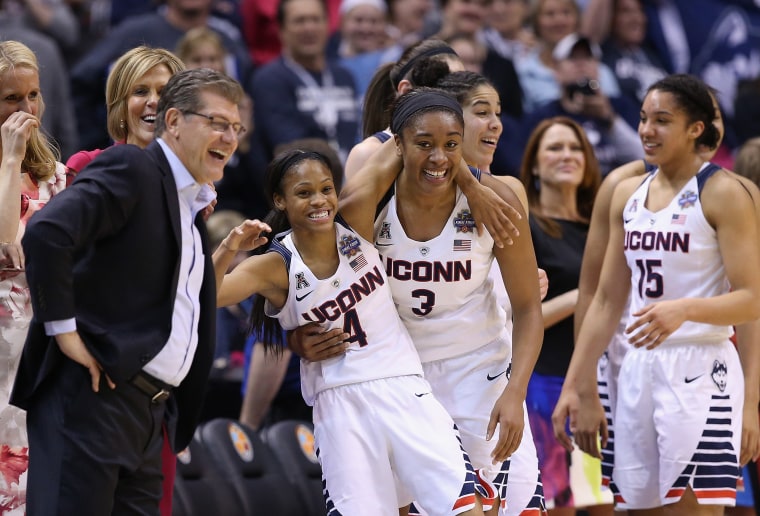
x: 132, y: 91
x: 133, y: 88
x: 30, y: 175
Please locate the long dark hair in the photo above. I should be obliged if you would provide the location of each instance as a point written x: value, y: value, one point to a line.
x: 412, y: 66
x: 586, y: 190
x: 268, y: 328
x: 694, y: 97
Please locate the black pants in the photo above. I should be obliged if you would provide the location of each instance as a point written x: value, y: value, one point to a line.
x: 93, y: 453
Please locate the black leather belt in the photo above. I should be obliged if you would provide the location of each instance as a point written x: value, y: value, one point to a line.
x: 156, y: 390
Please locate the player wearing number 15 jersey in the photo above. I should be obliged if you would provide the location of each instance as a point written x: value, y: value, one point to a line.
x: 681, y: 236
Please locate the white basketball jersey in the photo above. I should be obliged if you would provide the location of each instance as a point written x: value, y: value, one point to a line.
x: 674, y: 254
x: 442, y: 287
x: 357, y: 298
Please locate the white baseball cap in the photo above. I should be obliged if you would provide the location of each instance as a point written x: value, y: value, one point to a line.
x: 566, y: 45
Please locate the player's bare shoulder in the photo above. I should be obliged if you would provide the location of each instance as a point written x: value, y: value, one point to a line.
x: 623, y: 191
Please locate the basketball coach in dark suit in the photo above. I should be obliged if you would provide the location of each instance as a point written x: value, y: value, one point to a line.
x: 123, y: 294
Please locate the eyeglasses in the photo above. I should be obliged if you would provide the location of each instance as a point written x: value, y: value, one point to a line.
x: 219, y: 124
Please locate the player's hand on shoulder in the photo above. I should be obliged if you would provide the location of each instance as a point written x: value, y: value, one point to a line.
x: 495, y: 207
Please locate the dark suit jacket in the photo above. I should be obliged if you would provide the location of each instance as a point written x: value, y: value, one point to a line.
x: 106, y: 252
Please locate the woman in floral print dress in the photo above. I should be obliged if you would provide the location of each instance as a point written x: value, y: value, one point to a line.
x: 30, y: 174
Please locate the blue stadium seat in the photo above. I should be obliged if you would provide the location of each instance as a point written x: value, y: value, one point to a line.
x: 292, y: 442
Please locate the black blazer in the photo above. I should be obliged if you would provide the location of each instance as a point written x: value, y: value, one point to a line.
x: 105, y: 251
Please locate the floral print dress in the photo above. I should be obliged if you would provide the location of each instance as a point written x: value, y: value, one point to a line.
x: 15, y: 316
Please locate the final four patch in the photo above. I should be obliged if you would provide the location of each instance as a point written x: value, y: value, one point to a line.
x: 349, y: 245
x: 634, y: 206
x: 301, y: 281
x: 464, y: 222
x: 687, y: 199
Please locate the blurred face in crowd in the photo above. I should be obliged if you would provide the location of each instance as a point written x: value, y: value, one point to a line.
x: 142, y: 103
x: 471, y: 53
x: 304, y: 30
x: 465, y: 16
x: 190, y: 8
x: 363, y: 29
x: 629, y: 23
x: 206, y: 55
x: 555, y: 19
x: 409, y: 15
x: 19, y: 91
x: 507, y: 16
x: 579, y: 65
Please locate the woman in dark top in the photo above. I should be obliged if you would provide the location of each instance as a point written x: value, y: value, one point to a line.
x: 561, y: 176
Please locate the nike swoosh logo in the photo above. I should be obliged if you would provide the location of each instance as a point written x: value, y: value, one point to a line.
x: 378, y: 244
x: 301, y: 298
x: 492, y: 378
x: 689, y: 380
x: 628, y: 220
x: 421, y: 395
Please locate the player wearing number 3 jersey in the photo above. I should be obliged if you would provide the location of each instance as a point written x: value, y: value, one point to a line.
x: 375, y: 419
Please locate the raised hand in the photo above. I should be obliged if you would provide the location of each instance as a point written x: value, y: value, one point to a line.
x: 247, y: 236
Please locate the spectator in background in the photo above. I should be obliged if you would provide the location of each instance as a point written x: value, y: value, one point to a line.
x: 551, y: 21
x: 467, y: 17
x: 53, y: 18
x: 625, y: 51
x: 505, y: 30
x: 362, y: 28
x: 716, y: 40
x: 59, y: 120
x: 406, y: 26
x: 471, y: 51
x: 606, y: 120
x: 262, y: 31
x: 162, y: 29
x: 360, y: 42
x: 561, y: 177
x: 302, y: 94
x: 30, y: 175
x: 201, y: 47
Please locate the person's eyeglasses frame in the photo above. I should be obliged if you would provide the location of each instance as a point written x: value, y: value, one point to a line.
x: 219, y: 124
